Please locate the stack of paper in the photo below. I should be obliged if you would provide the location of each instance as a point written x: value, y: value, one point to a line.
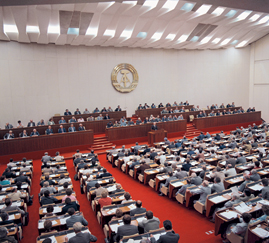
x: 229, y: 214
x: 132, y: 206
x: 218, y: 199
x: 261, y: 232
x: 256, y: 187
x: 242, y: 208
x: 121, y: 197
x: 111, y: 211
x: 177, y: 184
x: 114, y: 227
x: 53, y: 239
x: 140, y: 219
x: 264, y: 202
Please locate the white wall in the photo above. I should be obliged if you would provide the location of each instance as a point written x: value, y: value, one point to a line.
x: 38, y: 81
x: 259, y: 76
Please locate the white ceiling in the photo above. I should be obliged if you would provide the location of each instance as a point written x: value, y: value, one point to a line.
x: 120, y: 23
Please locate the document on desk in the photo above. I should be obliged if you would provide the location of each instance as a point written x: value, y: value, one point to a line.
x: 63, y: 220
x: 121, y: 197
x: 242, y: 208
x: 114, y: 227
x: 177, y: 184
x: 264, y: 202
x: 256, y: 187
x: 111, y: 188
x: 218, y: 199
x: 11, y: 217
x: 229, y: 215
x: 132, y: 206
x: 261, y: 232
x: 53, y: 239
x: 140, y: 219
x: 111, y: 211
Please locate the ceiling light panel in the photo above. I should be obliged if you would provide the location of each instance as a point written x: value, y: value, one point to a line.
x: 203, y: 9
x: 170, y: 37
x: 225, y: 42
x: 92, y: 31
x: 32, y: 29
x: 126, y: 34
x: 8, y: 28
x: 142, y: 35
x: 151, y: 3
x: 109, y: 33
x: 241, y: 44
x: 264, y: 20
x: 157, y: 36
x: 243, y: 15
x: 54, y: 29
x: 255, y: 17
x: 170, y: 4
x: 183, y: 38
x: 231, y: 13
x: 187, y: 7
x: 218, y: 11
x: 216, y: 40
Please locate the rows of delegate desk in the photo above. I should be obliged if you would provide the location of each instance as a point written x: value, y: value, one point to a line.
x: 15, y: 216
x: 154, y: 177
x: 105, y: 214
x: 60, y: 230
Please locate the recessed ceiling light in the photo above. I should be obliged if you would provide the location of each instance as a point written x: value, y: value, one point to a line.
x: 130, y: 2
x: 73, y: 31
x: 8, y: 28
x: 218, y: 11
x: 216, y: 40
x: 264, y: 20
x: 243, y: 15
x: 170, y: 4
x: 92, y: 31
x: 157, y: 36
x: 32, y: 29
x: 255, y: 17
x: 54, y: 29
x: 187, y: 7
x: 194, y: 38
x: 205, y: 40
x: 109, y: 33
x: 150, y: 3
x: 203, y: 9
x: 234, y: 42
x: 170, y: 37
x: 126, y: 34
x: 231, y: 13
x: 241, y: 44
x: 183, y: 38
x: 225, y: 42
x: 142, y: 35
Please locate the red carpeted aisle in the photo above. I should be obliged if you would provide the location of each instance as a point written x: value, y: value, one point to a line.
x: 191, y: 226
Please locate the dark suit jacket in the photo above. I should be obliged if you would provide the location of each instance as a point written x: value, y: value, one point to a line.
x: 71, y: 205
x: 51, y: 182
x: 142, y: 168
x: 169, y: 237
x: 126, y: 230
x: 82, y: 238
x: 11, y: 136
x: 22, y: 179
x: 154, y: 127
x: 49, y: 131
x: 186, y: 167
x: 31, y: 124
x: 61, y: 130
x: 34, y: 133
x: 48, y: 200
x: 137, y: 211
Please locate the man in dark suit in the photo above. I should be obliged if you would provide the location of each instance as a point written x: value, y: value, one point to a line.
x: 81, y: 127
x: 31, y: 124
x: 61, y: 129
x: 104, y: 174
x: 80, y: 237
x: 71, y: 128
x: 69, y: 204
x: 67, y: 113
x: 75, y: 218
x: 9, y: 135
x: 49, y: 131
x: 51, y: 182
x: 118, y: 108
x: 34, y: 133
x: 22, y: 178
x: 126, y: 229
x: 142, y: 167
x: 154, y: 126
x: 47, y: 199
x: 77, y: 112
x: 106, y: 117
x: 138, y: 209
x: 169, y: 237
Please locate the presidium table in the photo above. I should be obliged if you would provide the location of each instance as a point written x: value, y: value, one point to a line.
x: 44, y: 142
x: 217, y: 121
x: 136, y: 131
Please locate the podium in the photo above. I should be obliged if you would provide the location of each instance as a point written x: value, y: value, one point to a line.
x: 156, y: 136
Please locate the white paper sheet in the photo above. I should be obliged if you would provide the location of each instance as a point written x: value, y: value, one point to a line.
x: 53, y: 239
x: 229, y: 214
x: 261, y: 232
x: 256, y: 187
x: 132, y: 206
x: 218, y: 199
x: 178, y: 184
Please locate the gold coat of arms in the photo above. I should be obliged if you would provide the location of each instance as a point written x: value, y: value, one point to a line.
x: 124, y: 78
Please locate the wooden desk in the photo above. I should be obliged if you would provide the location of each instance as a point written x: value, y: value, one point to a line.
x: 156, y: 136
x: 119, y: 133
x: 175, y: 185
x: 211, y: 204
x: 60, y: 235
x: 233, y: 181
x: 216, y: 121
x: 117, y: 115
x: 143, y: 113
x: 254, y: 237
x: 30, y: 144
